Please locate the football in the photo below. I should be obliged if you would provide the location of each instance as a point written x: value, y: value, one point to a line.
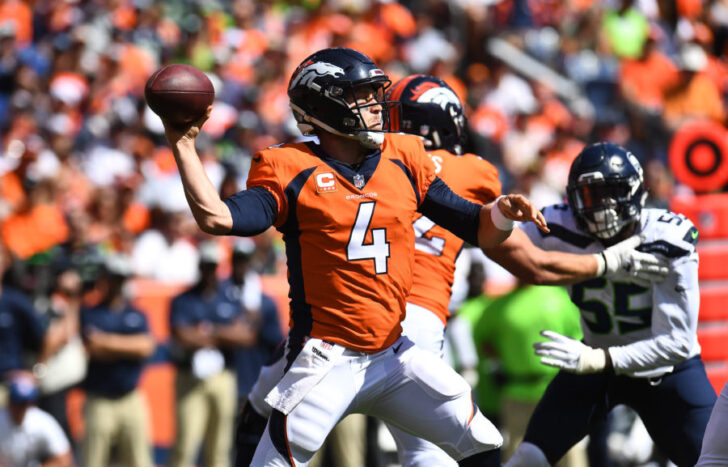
x: 179, y: 93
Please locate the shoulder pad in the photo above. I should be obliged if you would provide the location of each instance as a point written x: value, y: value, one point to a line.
x: 562, y: 224
x: 668, y: 233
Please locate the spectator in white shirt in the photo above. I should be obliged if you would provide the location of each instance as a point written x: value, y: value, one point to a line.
x: 30, y: 437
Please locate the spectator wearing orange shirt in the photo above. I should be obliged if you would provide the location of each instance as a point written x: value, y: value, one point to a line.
x: 695, y: 95
x: 38, y: 225
x: 645, y: 80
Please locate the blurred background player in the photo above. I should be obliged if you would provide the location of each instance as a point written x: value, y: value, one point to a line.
x: 208, y: 326
x: 118, y: 342
x: 714, y: 451
x: 505, y: 329
x: 28, y: 435
x: 22, y: 327
x: 426, y: 106
x: 639, y: 348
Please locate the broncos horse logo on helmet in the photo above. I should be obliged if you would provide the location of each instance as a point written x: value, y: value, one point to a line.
x: 310, y: 70
x: 428, y: 107
x: 322, y: 94
x: 606, y: 190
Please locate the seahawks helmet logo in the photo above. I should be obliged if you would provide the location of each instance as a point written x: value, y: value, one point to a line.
x: 311, y: 70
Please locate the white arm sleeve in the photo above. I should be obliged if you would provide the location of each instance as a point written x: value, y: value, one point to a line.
x: 55, y: 439
x: 674, y: 323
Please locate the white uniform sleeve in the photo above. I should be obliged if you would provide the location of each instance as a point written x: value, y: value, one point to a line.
x: 674, y: 323
x: 55, y: 439
x: 533, y: 233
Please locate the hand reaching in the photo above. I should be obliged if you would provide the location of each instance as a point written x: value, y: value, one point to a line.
x: 569, y: 354
x: 623, y: 262
x: 519, y: 208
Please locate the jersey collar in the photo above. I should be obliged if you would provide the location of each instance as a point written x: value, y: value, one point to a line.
x: 354, y: 176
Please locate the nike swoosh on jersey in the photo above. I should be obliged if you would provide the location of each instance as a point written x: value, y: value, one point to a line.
x: 257, y: 159
x: 396, y: 348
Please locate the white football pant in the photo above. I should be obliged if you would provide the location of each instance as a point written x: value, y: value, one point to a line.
x: 404, y: 386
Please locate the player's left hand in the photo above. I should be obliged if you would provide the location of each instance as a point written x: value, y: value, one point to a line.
x: 518, y: 208
x: 624, y: 262
x: 570, y: 354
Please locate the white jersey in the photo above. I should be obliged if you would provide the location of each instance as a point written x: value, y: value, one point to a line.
x: 647, y: 330
x: 37, y: 438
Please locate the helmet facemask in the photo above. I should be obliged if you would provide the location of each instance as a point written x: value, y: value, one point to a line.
x: 606, y: 207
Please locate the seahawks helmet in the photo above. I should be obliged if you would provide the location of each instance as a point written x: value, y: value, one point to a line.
x: 605, y: 189
x: 428, y: 108
x: 321, y: 93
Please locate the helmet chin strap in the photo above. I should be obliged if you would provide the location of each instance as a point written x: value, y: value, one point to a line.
x: 370, y: 139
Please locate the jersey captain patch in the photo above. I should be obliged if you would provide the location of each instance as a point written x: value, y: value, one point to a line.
x: 325, y: 182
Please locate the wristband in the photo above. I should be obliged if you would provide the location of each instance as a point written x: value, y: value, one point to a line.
x: 500, y: 221
x: 601, y: 264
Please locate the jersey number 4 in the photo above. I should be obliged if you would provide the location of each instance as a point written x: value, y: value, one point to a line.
x: 377, y: 249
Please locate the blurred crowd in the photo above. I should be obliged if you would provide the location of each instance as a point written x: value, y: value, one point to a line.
x: 86, y: 173
x: 85, y: 163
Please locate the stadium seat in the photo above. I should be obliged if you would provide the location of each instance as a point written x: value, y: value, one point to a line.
x: 708, y: 212
x: 713, y: 301
x: 713, y: 260
x: 713, y: 340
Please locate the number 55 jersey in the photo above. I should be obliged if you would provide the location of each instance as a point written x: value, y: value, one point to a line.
x: 348, y: 235
x: 648, y: 329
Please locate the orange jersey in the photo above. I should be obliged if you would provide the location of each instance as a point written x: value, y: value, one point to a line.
x: 436, y: 249
x: 349, y: 240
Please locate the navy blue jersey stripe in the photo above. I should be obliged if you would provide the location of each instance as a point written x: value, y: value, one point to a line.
x: 253, y: 211
x: 445, y: 208
x: 277, y: 429
x: 365, y: 169
x: 566, y: 235
x: 300, y: 310
x: 664, y: 248
x: 409, y: 176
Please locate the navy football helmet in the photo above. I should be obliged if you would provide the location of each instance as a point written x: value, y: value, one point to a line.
x: 429, y: 108
x: 322, y: 94
x: 605, y: 189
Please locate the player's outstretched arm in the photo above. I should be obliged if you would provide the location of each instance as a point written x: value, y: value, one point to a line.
x: 212, y: 215
x: 533, y: 265
x: 497, y: 218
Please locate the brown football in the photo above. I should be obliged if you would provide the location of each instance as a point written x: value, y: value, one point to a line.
x: 179, y: 93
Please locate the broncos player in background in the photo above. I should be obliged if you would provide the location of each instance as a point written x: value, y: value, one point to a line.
x: 427, y: 107
x: 640, y: 346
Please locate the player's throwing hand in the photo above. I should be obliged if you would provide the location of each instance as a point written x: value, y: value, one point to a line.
x: 187, y: 134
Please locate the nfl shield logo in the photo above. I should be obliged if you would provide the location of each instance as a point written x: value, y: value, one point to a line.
x: 359, y: 181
